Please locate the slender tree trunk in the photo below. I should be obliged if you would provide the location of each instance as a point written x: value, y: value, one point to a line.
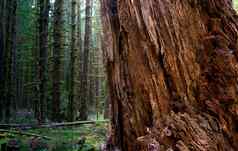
x: 13, y: 56
x: 79, y: 59
x: 33, y: 91
x: 87, y: 43
x: 72, y: 62
x: 10, y: 48
x: 7, y: 57
x: 58, y: 46
x: 43, y: 59
x: 91, y: 81
x: 172, y: 73
x: 2, y: 20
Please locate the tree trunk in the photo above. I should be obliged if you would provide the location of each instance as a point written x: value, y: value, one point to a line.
x: 91, y: 81
x: 58, y: 46
x: 87, y: 43
x: 79, y: 55
x: 172, y: 73
x: 13, y: 56
x: 72, y: 62
x: 43, y: 60
x: 1, y: 57
x: 9, y: 48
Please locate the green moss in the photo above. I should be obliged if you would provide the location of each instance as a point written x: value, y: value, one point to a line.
x: 67, y: 139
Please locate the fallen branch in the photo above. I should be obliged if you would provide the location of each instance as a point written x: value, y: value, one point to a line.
x: 73, y: 123
x: 24, y: 133
x: 53, y: 125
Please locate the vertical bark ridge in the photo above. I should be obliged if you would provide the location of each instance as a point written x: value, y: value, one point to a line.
x: 172, y: 73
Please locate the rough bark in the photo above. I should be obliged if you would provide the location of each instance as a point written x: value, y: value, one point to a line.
x: 87, y: 43
x: 172, y: 73
x: 58, y: 47
x: 43, y: 59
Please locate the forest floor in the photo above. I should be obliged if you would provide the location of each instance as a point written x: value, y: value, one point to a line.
x: 86, y: 137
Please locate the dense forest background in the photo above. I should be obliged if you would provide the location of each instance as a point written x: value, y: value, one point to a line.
x: 53, y: 68
x: 52, y: 76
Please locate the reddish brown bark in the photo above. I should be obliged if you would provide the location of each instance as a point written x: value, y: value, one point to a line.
x: 173, y: 71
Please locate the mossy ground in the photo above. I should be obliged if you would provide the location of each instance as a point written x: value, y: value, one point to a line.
x: 64, y: 139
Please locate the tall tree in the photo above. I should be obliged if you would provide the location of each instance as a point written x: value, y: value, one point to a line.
x: 1, y: 57
x: 43, y: 58
x: 79, y: 55
x: 87, y: 43
x: 172, y: 70
x: 13, y: 55
x: 58, y: 47
x: 9, y: 48
x: 72, y: 62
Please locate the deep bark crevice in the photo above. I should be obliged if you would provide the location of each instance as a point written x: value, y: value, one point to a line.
x: 175, y: 64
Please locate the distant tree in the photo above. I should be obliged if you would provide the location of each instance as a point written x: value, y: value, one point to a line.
x: 14, y: 56
x: 2, y: 21
x: 58, y: 47
x: 9, y: 51
x: 73, y: 46
x: 87, y: 42
x: 79, y: 56
x: 43, y: 57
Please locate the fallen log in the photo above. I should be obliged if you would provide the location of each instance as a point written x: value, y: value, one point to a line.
x: 24, y: 133
x: 52, y: 125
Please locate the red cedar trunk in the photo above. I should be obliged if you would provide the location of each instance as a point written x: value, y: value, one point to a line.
x: 173, y: 74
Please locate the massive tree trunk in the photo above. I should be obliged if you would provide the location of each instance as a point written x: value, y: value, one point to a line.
x: 58, y: 46
x: 87, y: 43
x: 173, y: 74
x: 43, y: 60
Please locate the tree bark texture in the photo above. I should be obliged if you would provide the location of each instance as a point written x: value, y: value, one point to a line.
x: 87, y: 43
x: 58, y: 47
x: 173, y: 74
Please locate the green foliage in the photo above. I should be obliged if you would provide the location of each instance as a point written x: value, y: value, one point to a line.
x: 235, y: 2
